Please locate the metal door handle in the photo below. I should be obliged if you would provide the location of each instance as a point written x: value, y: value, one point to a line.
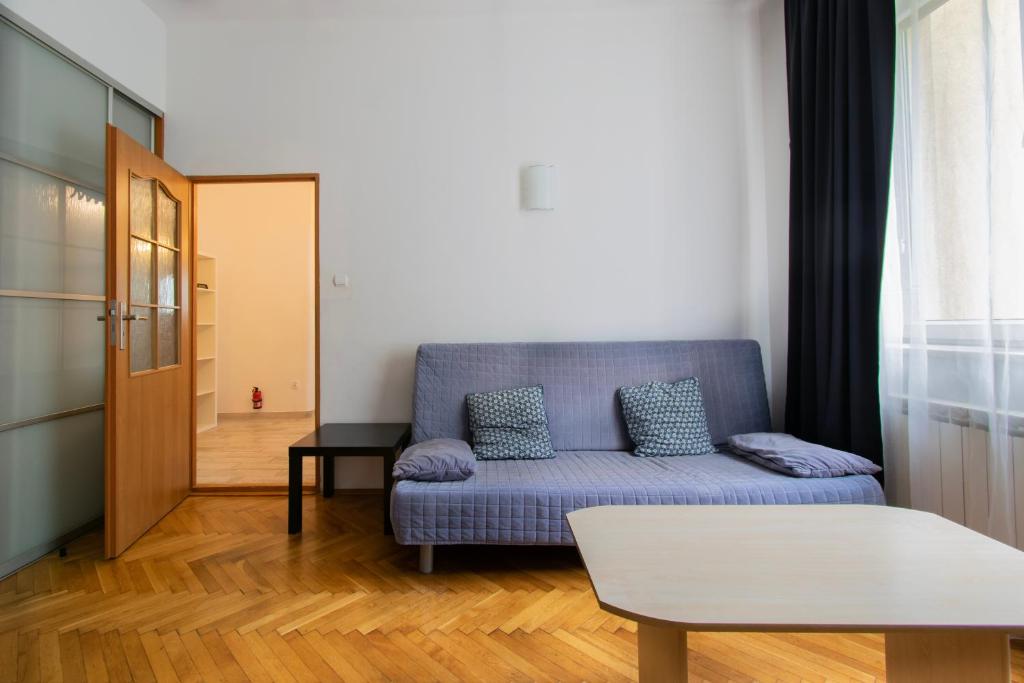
x: 101, y: 318
x: 113, y: 331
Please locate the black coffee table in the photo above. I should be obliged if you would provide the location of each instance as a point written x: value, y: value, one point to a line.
x: 344, y: 439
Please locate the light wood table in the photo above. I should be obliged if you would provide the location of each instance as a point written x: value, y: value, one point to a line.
x: 945, y: 596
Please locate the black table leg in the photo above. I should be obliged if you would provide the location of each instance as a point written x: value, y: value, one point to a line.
x: 328, y: 482
x: 389, y: 465
x: 294, y: 494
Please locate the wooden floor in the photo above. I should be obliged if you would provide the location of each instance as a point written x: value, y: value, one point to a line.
x: 219, y: 591
x: 252, y: 450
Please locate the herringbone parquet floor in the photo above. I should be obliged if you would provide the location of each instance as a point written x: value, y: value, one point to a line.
x: 219, y: 591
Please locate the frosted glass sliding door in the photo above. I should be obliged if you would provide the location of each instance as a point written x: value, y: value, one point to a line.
x: 53, y: 117
x: 51, y: 482
x: 132, y: 119
x: 51, y: 112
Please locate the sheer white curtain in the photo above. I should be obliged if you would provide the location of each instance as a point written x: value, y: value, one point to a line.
x: 952, y: 382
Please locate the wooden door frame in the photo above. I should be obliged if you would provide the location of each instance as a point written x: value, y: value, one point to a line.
x: 236, y: 180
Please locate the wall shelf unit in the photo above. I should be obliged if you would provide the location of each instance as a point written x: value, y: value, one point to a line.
x: 206, y: 343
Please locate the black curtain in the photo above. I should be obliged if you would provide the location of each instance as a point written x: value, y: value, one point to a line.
x: 841, y: 64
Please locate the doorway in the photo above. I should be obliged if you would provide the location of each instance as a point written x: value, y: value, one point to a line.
x: 256, y: 329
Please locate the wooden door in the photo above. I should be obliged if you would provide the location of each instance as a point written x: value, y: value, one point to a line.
x: 149, y: 354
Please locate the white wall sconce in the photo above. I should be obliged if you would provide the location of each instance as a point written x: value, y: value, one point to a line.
x: 537, y: 187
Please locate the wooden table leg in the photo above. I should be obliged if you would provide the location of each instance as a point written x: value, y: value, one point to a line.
x: 294, y: 494
x: 661, y: 653
x: 946, y: 656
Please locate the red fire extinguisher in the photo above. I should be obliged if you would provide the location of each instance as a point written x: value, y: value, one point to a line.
x: 257, y: 398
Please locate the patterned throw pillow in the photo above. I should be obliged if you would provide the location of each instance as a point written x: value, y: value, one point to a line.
x: 509, y: 424
x: 667, y: 419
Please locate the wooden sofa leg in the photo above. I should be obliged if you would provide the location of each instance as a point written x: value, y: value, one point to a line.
x: 426, y: 559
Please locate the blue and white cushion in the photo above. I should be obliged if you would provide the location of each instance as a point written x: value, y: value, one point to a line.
x: 509, y: 425
x: 666, y: 419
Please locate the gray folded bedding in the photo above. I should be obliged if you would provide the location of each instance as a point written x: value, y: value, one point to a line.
x: 798, y: 458
x: 436, y: 460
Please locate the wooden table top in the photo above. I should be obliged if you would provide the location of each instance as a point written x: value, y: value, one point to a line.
x: 797, y: 568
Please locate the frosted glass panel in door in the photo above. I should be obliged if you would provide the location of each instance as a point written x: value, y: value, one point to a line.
x: 140, y: 331
x: 134, y: 120
x: 141, y: 271
x: 51, y: 356
x: 167, y: 278
x: 141, y: 203
x: 51, y: 480
x: 168, y: 337
x: 52, y: 114
x: 52, y: 233
x: 167, y: 218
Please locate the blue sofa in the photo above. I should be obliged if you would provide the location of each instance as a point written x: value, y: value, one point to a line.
x: 525, y: 502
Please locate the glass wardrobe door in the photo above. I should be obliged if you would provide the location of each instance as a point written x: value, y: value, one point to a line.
x: 52, y: 284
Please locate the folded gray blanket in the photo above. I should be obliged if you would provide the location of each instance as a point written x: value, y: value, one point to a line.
x: 436, y: 460
x: 787, y: 454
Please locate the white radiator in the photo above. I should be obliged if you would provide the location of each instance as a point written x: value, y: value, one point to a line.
x: 948, y: 473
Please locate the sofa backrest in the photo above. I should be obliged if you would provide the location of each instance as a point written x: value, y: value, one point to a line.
x: 581, y: 382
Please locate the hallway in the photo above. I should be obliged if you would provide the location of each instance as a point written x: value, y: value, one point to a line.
x: 252, y: 450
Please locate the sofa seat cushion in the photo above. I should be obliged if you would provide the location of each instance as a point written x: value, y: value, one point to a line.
x: 525, y: 501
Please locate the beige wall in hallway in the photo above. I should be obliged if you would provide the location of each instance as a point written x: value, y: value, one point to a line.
x: 262, y: 235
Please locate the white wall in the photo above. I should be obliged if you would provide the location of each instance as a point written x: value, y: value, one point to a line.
x: 776, y: 162
x: 122, y: 38
x: 767, y: 198
x: 261, y: 235
x: 418, y: 116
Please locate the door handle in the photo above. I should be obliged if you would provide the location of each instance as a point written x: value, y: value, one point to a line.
x: 117, y: 327
x: 121, y: 327
x: 111, y: 315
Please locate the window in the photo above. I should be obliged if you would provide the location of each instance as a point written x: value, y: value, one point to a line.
x: 953, y: 288
x: 952, y: 380
x: 959, y: 157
